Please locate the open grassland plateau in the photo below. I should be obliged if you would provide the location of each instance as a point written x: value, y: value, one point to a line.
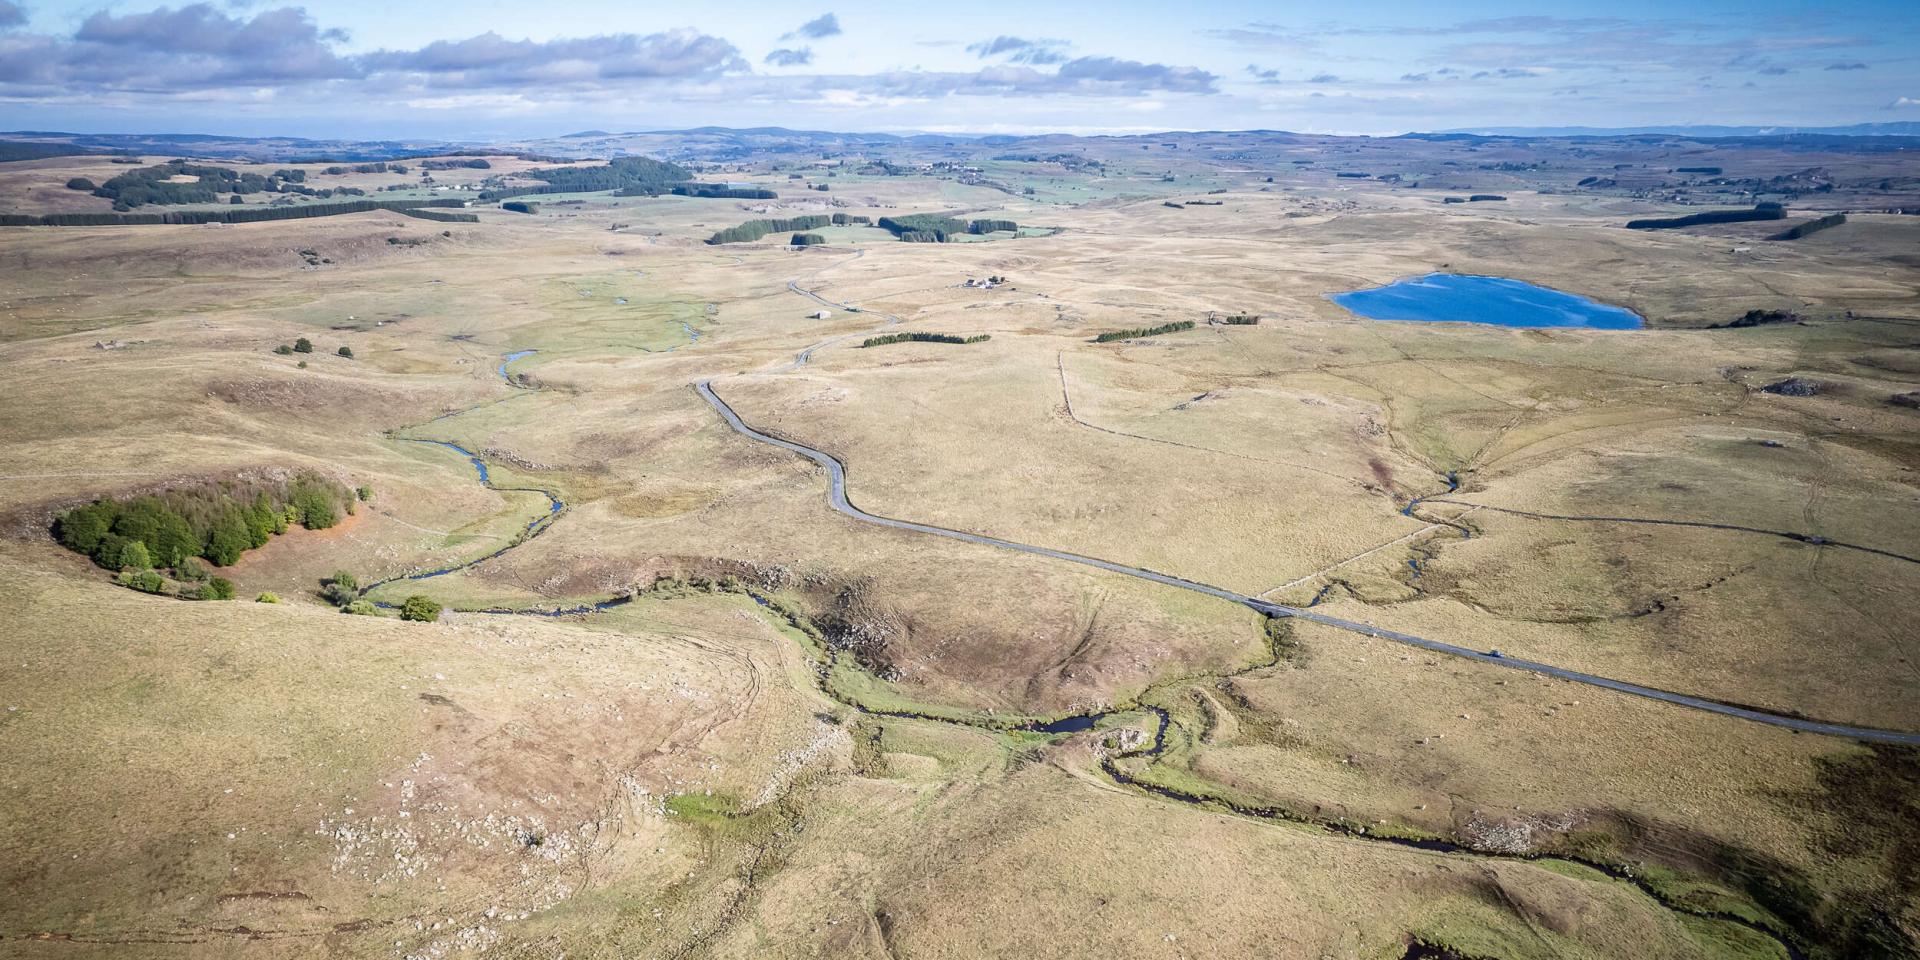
x: 697, y: 712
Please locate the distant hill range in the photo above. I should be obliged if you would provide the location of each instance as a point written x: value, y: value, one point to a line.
x: 53, y: 143
x: 1902, y: 129
x: 726, y: 144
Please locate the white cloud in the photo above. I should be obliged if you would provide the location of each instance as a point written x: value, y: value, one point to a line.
x: 819, y: 28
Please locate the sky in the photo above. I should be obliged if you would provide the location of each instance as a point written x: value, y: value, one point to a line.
x: 369, y: 69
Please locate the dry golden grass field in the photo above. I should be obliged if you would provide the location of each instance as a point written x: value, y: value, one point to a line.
x: 807, y: 736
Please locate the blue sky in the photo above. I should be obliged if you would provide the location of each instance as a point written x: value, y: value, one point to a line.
x: 378, y: 68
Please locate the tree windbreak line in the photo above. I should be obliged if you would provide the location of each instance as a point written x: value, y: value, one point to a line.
x: 934, y: 228
x: 722, y: 191
x: 1797, y: 231
x: 922, y: 338
x: 379, y: 167
x: 242, y: 215
x: 1761, y: 211
x: 216, y: 521
x: 1137, y: 332
x: 475, y: 163
x: 440, y: 215
x: 755, y: 229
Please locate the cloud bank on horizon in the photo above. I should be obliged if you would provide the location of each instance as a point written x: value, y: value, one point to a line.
x: 357, y: 69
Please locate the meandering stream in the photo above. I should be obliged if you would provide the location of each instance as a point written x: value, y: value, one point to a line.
x: 1080, y: 723
x: 555, y: 505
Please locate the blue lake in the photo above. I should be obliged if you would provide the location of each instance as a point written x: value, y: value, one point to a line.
x: 1496, y: 300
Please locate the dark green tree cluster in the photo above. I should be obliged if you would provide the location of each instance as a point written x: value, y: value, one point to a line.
x: 1483, y: 197
x: 992, y: 226
x: 724, y: 192
x: 217, y: 521
x: 145, y: 581
x: 932, y: 224
x: 322, y: 193
x: 1069, y: 160
x: 845, y: 219
x: 922, y: 338
x: 137, y: 188
x: 420, y: 608
x: 755, y: 229
x: 1134, y: 334
x: 621, y: 173
x: 520, y: 206
x: 1241, y: 319
x: 218, y: 588
x: 379, y: 167
x: 475, y: 163
x: 1763, y: 211
x: 340, y: 588
x: 806, y: 240
x: 155, y: 185
x: 82, y: 183
x: 1827, y: 222
x: 1709, y: 171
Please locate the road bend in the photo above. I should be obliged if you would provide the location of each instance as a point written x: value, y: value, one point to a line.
x: 837, y: 498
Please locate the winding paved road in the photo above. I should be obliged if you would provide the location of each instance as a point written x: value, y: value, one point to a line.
x: 807, y: 354
x: 837, y: 497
